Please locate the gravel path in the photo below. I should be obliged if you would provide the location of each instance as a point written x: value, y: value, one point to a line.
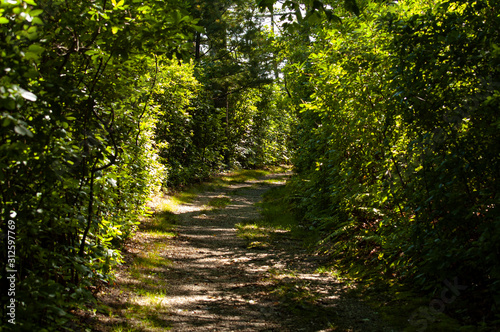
x: 216, y: 283
x: 215, y: 280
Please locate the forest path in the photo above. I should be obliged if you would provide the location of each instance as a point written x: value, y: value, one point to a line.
x: 208, y: 279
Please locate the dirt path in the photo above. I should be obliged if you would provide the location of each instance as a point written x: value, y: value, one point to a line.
x: 214, y: 282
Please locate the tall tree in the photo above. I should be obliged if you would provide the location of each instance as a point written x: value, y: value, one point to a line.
x: 233, y: 55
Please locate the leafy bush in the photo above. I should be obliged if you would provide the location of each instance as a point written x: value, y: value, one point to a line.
x: 99, y: 109
x: 398, y: 142
x: 78, y: 159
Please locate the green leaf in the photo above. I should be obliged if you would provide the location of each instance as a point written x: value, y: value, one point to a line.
x: 263, y: 4
x: 199, y: 29
x: 4, y: 20
x: 23, y: 131
x: 6, y: 122
x: 177, y: 17
x: 352, y: 6
x: 27, y: 95
x: 37, y: 20
x: 36, y: 48
x: 31, y: 56
x: 36, y: 12
x: 313, y: 17
x: 331, y: 17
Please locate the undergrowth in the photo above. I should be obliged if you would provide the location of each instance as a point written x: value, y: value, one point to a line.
x: 136, y: 302
x: 398, y: 304
x: 277, y: 222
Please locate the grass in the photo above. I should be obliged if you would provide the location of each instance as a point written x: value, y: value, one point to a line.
x: 291, y: 291
x: 144, y: 286
x: 183, y: 197
x: 241, y: 176
x: 160, y: 223
x: 140, y: 315
x: 294, y: 294
x: 219, y: 202
x: 256, y: 236
x: 274, y: 181
x: 277, y: 223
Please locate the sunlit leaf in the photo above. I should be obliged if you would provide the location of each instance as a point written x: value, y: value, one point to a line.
x: 27, y: 95
x: 21, y: 130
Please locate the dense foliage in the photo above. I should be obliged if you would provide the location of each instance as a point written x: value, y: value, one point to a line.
x: 397, y: 158
x: 232, y: 119
x: 77, y: 160
x: 98, y: 111
x: 394, y: 108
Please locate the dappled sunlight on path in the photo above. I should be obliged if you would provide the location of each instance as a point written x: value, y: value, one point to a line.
x: 208, y: 279
x: 213, y: 285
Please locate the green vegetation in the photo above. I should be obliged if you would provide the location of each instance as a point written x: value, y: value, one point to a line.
x: 244, y: 175
x: 161, y: 222
x: 278, y: 222
x: 143, y: 283
x: 388, y: 111
x: 219, y: 202
x: 293, y: 293
x: 102, y: 104
x: 399, y: 305
x: 397, y: 144
x: 403, y: 307
x: 256, y: 237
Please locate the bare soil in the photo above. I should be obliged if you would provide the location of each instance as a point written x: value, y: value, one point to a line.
x: 213, y: 281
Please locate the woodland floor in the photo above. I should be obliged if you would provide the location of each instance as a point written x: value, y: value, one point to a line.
x: 201, y: 276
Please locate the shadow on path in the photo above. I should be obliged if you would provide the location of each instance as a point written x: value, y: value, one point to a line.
x: 206, y: 279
